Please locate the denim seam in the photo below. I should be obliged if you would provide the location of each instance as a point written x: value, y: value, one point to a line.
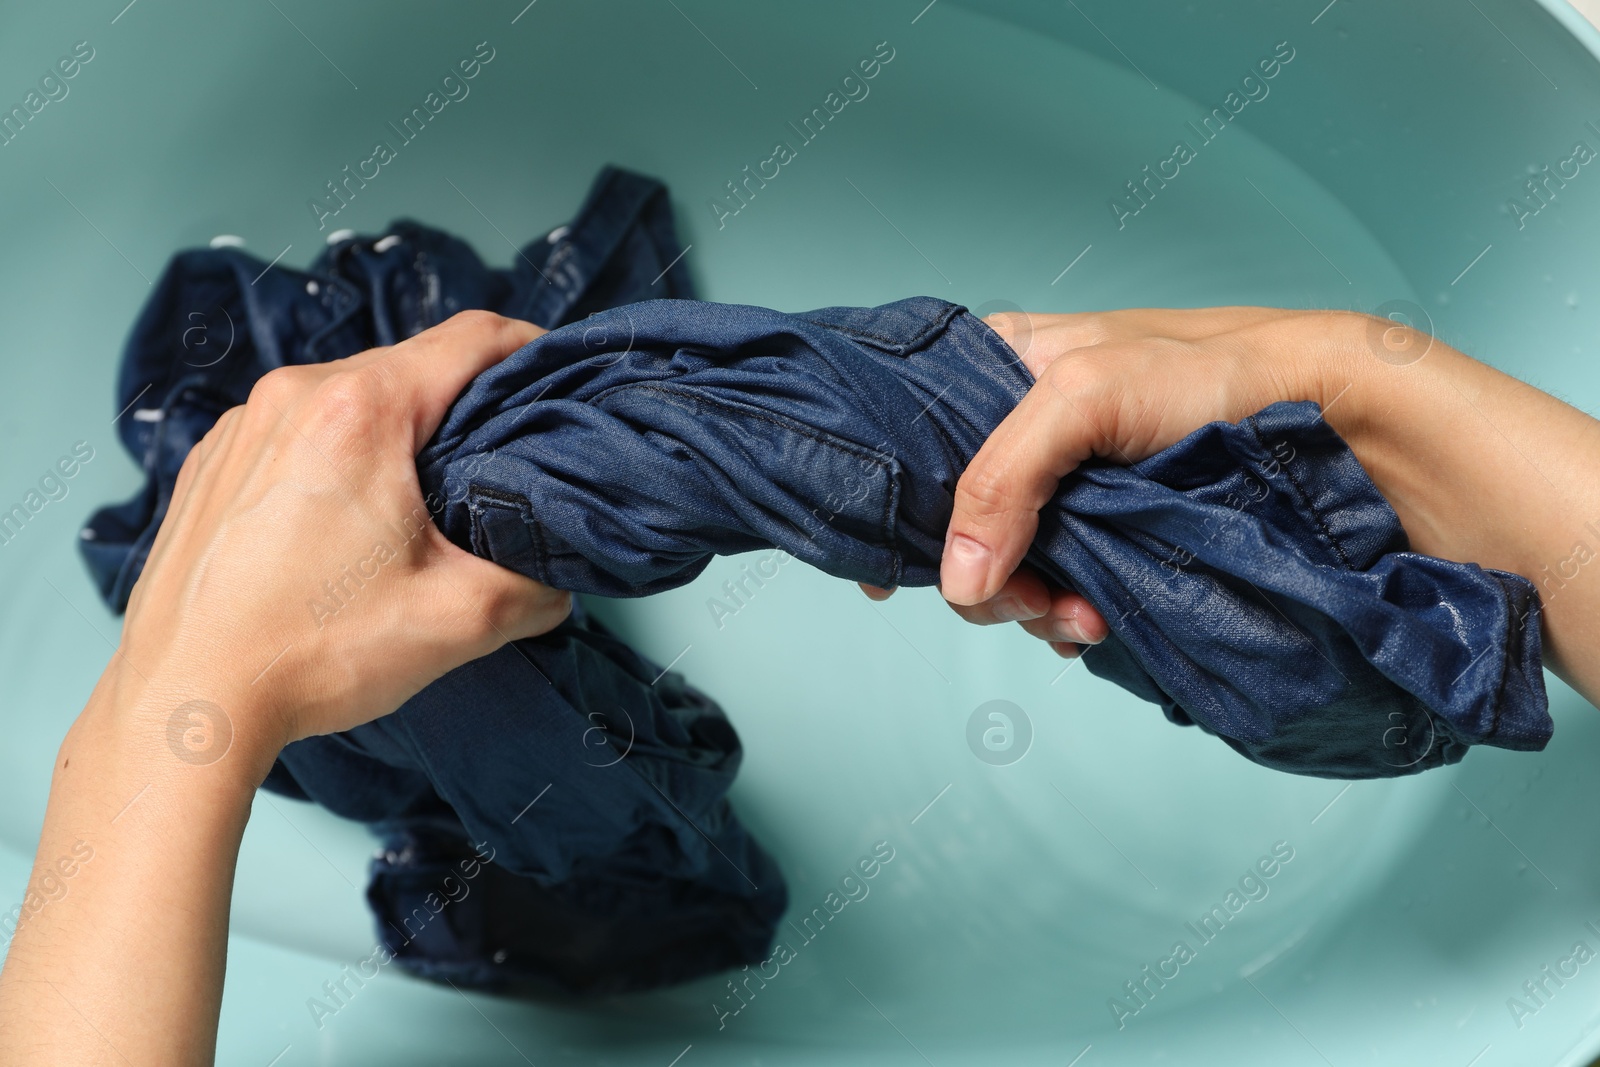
x: 850, y: 448
x: 1505, y: 661
x: 338, y: 317
x: 590, y: 250
x: 514, y: 502
x: 894, y: 348
x: 897, y: 348
x: 1305, y: 498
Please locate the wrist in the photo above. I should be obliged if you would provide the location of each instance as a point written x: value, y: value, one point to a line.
x: 1330, y: 362
x: 175, y: 714
x: 1418, y: 415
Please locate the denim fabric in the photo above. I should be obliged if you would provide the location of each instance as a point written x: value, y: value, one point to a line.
x: 1255, y: 581
x: 596, y: 781
x: 175, y: 380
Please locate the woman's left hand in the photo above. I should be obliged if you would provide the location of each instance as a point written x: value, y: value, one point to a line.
x: 297, y: 586
x: 299, y: 556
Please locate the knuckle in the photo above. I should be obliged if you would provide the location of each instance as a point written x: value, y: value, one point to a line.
x: 984, y: 490
x: 1093, y: 387
x: 277, y: 388
x: 498, y: 608
x: 475, y: 321
x: 1081, y: 375
x: 508, y: 608
x: 344, y: 402
x: 557, y: 604
x: 187, y: 469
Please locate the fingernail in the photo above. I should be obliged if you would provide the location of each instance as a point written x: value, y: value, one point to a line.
x: 1012, y: 609
x: 965, y: 570
x: 1068, y: 630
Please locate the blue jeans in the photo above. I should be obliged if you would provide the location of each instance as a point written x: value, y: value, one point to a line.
x: 554, y: 816
x: 1255, y: 581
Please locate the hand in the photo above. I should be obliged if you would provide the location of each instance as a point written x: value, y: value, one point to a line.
x: 298, y: 582
x: 1119, y: 385
x: 297, y: 586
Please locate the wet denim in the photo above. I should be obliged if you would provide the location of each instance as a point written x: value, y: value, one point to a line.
x: 175, y: 380
x: 598, y: 784
x: 596, y: 781
x: 1255, y: 581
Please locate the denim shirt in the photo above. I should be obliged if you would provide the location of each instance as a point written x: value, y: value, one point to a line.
x: 1255, y: 581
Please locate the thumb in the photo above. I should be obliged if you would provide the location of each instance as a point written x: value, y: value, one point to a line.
x: 998, y: 497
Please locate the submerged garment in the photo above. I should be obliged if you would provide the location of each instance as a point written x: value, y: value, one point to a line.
x: 1255, y: 581
x: 445, y: 916
x: 605, y: 792
x: 596, y: 781
x: 217, y: 322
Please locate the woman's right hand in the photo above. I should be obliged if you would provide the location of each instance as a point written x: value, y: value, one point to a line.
x: 1121, y: 386
x: 1479, y: 467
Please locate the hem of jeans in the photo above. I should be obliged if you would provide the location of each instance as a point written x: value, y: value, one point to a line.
x: 1506, y: 667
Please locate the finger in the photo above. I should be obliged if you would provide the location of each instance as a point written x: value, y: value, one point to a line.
x: 1023, y: 596
x: 998, y: 497
x: 538, y: 609
x: 1070, y: 618
x: 875, y: 592
x: 1065, y: 650
x: 1040, y: 340
x: 1016, y: 329
x: 431, y: 369
x: 1192, y: 324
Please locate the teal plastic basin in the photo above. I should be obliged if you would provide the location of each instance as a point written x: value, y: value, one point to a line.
x: 1379, y: 164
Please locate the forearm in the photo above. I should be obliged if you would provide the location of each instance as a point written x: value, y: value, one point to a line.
x: 121, y: 960
x: 120, y: 953
x: 1483, y: 468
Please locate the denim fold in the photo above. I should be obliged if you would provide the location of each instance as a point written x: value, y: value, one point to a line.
x: 554, y: 816
x: 1256, y: 583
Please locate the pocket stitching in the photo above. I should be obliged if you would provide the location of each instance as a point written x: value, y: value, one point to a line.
x: 481, y: 497
x: 885, y: 522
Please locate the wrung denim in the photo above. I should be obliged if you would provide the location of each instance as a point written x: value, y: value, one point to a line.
x: 1255, y: 581
x: 596, y: 781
